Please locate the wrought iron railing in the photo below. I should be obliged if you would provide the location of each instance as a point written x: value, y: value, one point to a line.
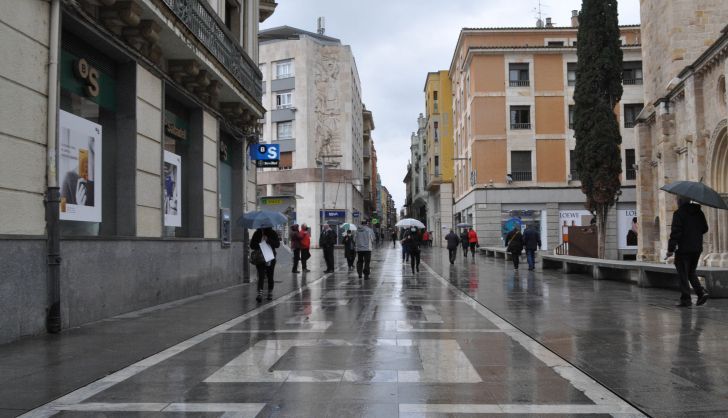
x: 520, y: 83
x: 207, y: 27
x: 522, y: 175
x: 520, y: 126
x: 632, y: 81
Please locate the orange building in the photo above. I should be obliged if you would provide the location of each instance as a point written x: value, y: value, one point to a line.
x: 512, y: 109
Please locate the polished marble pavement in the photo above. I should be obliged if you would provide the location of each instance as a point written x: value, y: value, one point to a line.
x: 398, y: 344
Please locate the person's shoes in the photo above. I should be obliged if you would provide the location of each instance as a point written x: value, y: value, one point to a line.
x: 270, y: 296
x: 295, y: 271
x: 360, y: 276
x: 259, y: 298
x: 306, y: 270
x: 685, y: 304
x: 366, y: 277
x: 418, y: 268
x: 515, y: 268
x: 702, y: 299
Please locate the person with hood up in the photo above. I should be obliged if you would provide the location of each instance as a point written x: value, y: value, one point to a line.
x: 364, y: 241
x: 514, y: 245
x: 532, y: 242
x: 452, y: 245
x: 686, y: 243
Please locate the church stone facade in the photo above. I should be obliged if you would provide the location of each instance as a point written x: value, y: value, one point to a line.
x: 682, y: 130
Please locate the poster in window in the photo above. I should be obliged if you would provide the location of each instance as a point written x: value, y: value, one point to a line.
x: 79, y: 168
x: 627, y: 229
x: 172, y: 171
x: 568, y: 218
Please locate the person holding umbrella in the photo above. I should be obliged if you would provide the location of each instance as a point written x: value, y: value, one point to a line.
x: 686, y: 234
x: 349, y: 249
x: 265, y: 240
x: 464, y: 242
x: 686, y: 243
x: 413, y: 240
x: 514, y: 245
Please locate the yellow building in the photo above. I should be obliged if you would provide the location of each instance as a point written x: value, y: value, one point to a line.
x: 439, y: 154
x: 513, y: 104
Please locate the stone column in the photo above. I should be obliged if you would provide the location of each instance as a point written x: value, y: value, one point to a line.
x: 487, y: 223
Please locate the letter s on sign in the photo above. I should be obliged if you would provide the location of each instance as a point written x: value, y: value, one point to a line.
x: 273, y: 153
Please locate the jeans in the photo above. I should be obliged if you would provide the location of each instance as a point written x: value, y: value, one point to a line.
x: 686, y: 264
x: 264, y: 271
x: 531, y: 257
x: 363, y: 258
x: 350, y: 257
x: 452, y: 252
x: 465, y: 250
x: 405, y: 253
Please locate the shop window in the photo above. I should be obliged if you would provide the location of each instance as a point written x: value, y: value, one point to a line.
x: 95, y: 101
x: 176, y: 170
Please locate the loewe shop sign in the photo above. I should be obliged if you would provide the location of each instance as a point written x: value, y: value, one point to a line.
x: 89, y: 74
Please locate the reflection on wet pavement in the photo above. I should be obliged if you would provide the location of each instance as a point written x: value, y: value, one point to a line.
x: 397, y: 344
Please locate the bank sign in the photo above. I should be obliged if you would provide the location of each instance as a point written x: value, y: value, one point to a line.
x: 265, y: 155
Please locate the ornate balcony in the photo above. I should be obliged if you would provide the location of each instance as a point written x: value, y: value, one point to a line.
x: 207, y: 27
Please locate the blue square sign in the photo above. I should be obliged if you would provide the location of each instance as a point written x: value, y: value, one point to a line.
x: 265, y: 152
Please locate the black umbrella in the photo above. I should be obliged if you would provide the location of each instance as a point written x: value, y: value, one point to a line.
x: 697, y: 192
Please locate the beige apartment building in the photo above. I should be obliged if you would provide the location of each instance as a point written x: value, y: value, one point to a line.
x: 123, y: 168
x: 682, y: 130
x: 512, y: 109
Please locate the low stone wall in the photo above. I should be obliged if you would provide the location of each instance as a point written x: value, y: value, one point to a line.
x: 102, y: 278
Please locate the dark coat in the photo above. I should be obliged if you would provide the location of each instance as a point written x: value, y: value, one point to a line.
x: 327, y: 239
x: 295, y: 237
x: 531, y: 239
x: 349, y: 245
x: 413, y: 240
x: 514, y: 241
x: 452, y: 240
x: 273, y: 240
x: 464, y: 239
x: 688, y: 227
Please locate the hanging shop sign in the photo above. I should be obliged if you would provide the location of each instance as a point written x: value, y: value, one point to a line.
x: 79, y: 168
x: 265, y: 155
x: 172, y: 189
x: 88, y: 75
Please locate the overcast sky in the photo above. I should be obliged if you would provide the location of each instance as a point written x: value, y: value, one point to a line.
x: 395, y: 44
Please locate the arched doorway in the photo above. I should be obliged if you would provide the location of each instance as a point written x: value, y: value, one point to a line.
x: 718, y: 175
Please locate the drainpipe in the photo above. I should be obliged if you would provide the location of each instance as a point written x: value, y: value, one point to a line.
x: 52, y: 200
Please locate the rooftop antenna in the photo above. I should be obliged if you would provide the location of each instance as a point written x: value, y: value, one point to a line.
x: 321, y: 25
x: 539, y: 14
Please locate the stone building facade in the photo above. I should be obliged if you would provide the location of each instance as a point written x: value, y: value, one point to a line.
x: 682, y: 130
x: 123, y: 130
x: 313, y: 93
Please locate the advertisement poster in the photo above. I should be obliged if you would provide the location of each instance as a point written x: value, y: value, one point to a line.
x: 627, y: 229
x: 172, y: 171
x: 569, y: 218
x: 79, y: 168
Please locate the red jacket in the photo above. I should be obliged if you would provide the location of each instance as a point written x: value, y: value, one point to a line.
x: 425, y: 236
x: 305, y: 240
x: 472, y: 237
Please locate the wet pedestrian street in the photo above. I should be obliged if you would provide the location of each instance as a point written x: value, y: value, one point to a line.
x: 398, y: 344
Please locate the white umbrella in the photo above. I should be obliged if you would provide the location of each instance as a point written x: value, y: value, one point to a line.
x: 349, y: 227
x: 409, y: 222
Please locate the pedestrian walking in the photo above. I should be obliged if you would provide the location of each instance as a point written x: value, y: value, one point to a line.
x: 327, y: 240
x: 452, y: 245
x: 364, y: 240
x: 472, y: 241
x: 295, y: 240
x: 349, y: 250
x: 532, y: 242
x: 394, y: 238
x: 464, y: 242
x: 686, y: 243
x: 426, y: 238
x: 264, y: 243
x: 414, y: 243
x: 514, y: 245
x: 305, y: 243
x: 431, y: 238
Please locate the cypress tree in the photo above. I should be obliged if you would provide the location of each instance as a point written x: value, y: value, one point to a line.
x: 598, y: 90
